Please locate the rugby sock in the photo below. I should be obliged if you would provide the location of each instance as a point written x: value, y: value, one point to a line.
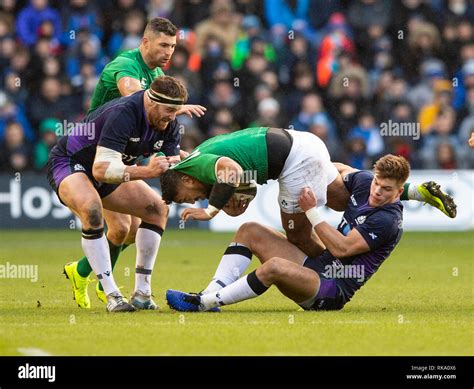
x: 84, y: 268
x: 114, y: 254
x: 96, y: 248
x: 410, y: 192
x: 234, y: 262
x: 148, y: 242
x: 243, y: 289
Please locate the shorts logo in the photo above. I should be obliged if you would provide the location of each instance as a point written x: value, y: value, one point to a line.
x: 79, y: 168
x: 284, y: 204
x: 134, y: 139
x: 353, y: 200
x: 361, y: 220
x: 373, y: 236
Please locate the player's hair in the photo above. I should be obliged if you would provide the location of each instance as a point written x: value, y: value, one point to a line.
x: 392, y: 166
x: 171, y: 87
x: 157, y: 25
x: 170, y: 180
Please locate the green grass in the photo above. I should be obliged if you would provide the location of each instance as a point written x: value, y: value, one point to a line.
x: 414, y: 305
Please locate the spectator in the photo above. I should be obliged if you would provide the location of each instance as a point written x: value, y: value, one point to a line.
x: 132, y: 35
x: 222, y: 24
x: 50, y: 103
x: 442, y: 100
x: 80, y: 15
x: 311, y: 105
x: 251, y: 30
x: 322, y: 128
x: 443, y: 131
x: 10, y: 112
x: 370, y: 133
x: 268, y: 114
x: 15, y: 152
x: 33, y: 17
x: 48, y: 137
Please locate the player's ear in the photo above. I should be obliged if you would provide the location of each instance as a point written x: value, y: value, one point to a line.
x: 187, y: 180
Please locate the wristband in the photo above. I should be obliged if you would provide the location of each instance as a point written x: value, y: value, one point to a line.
x: 314, y: 217
x: 211, y: 211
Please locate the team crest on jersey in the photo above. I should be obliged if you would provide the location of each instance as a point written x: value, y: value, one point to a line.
x: 143, y: 83
x: 361, y: 219
x: 157, y: 145
x: 79, y: 168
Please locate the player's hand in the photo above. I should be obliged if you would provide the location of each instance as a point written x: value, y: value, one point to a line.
x: 196, y: 214
x: 307, y: 199
x: 158, y: 165
x: 183, y: 154
x: 471, y: 140
x: 235, y: 207
x: 190, y: 110
x: 174, y: 159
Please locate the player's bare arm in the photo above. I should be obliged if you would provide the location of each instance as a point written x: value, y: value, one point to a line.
x: 338, y: 245
x: 128, y: 86
x: 109, y: 168
x: 343, y: 169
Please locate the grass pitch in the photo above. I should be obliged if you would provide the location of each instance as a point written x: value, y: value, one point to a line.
x: 419, y: 303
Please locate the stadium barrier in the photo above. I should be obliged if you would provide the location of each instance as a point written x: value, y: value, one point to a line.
x: 417, y: 216
x: 27, y: 201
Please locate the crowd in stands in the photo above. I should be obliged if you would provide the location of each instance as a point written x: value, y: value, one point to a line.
x: 369, y: 77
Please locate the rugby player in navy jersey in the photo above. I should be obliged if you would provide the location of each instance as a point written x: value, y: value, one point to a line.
x: 368, y: 232
x: 93, y: 170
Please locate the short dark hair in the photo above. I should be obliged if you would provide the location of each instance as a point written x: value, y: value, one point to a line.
x: 163, y: 25
x: 394, y: 167
x: 170, y: 87
x: 169, y: 185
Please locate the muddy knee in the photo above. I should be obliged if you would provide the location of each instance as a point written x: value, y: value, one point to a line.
x: 91, y: 216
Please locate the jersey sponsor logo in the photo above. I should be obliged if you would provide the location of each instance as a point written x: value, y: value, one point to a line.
x: 79, y: 168
x: 373, y: 236
x: 157, y: 145
x: 361, y: 219
x: 353, y: 200
x: 134, y: 140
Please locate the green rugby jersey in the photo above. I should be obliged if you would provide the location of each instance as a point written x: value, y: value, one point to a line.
x: 247, y: 147
x: 127, y: 64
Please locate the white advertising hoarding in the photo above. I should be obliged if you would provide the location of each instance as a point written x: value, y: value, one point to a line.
x: 416, y: 216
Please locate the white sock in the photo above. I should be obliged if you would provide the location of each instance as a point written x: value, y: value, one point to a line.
x: 413, y: 193
x: 148, y: 242
x: 98, y: 255
x: 233, y: 264
x: 244, y: 288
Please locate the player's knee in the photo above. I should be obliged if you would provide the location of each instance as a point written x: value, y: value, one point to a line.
x: 248, y: 233
x: 156, y: 212
x: 272, y: 269
x: 92, y: 215
x: 118, y: 231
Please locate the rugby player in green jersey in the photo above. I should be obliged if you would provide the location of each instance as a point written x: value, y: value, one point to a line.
x: 130, y: 72
x: 216, y: 168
